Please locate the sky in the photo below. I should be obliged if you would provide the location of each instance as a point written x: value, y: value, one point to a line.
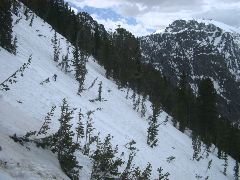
x: 143, y: 17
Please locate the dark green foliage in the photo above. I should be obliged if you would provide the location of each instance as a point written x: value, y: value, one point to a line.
x: 225, y: 165
x: 89, y: 139
x: 129, y: 169
x: 79, y: 63
x: 143, y: 107
x: 100, y: 91
x: 146, y: 174
x: 105, y: 162
x: 209, y: 165
x: 80, y: 126
x: 31, y: 22
x: 6, y: 37
x: 162, y: 176
x: 4, y: 86
x: 196, y: 144
x: 56, y: 47
x: 62, y: 143
x: 65, y: 62
x: 236, y: 171
x: 153, y: 126
x: 47, y: 120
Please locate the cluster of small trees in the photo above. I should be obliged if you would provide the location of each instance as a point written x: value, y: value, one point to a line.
x: 5, y: 85
x: 65, y: 143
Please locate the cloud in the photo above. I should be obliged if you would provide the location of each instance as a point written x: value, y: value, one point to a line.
x: 155, y: 14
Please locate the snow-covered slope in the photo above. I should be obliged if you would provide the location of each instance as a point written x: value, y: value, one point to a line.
x: 116, y: 117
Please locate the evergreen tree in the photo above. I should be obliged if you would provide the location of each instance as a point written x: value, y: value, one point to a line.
x: 31, y: 22
x: 153, y: 126
x: 196, y: 144
x: 80, y: 126
x: 100, y: 91
x: 62, y: 143
x: 47, y: 120
x: 236, y: 171
x: 65, y: 62
x: 146, y: 174
x: 14, y: 46
x: 88, y: 134
x: 225, y: 165
x: 79, y: 63
x: 6, y: 25
x: 209, y: 165
x: 128, y: 171
x: 56, y: 47
x: 143, y: 106
x: 105, y: 163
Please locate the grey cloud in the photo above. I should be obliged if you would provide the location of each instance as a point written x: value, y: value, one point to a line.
x: 227, y: 16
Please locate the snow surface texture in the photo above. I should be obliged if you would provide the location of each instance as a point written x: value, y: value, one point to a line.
x: 116, y: 117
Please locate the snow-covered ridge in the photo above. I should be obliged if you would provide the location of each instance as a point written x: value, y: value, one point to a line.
x: 116, y: 117
x: 225, y: 27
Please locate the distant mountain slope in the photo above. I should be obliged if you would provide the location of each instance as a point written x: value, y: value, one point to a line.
x: 200, y: 48
x: 24, y: 107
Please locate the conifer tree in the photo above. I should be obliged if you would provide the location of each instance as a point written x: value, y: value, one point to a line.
x: 56, y: 47
x: 225, y: 165
x: 146, y: 174
x: 80, y: 126
x: 143, y: 106
x: 196, y: 144
x: 79, y: 63
x: 209, y: 165
x: 128, y: 171
x: 65, y: 66
x: 6, y: 25
x: 137, y: 103
x: 236, y: 171
x: 14, y: 46
x: 62, y: 143
x: 31, y: 22
x: 88, y: 133
x: 47, y: 120
x: 106, y: 164
x: 153, y: 126
x: 100, y: 91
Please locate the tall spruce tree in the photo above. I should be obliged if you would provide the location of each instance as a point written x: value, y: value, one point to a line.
x: 79, y: 63
x: 80, y: 126
x: 62, y: 143
x: 100, y: 91
x: 236, y: 171
x: 153, y: 126
x: 106, y: 164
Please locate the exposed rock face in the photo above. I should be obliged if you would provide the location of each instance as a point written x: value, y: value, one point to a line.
x: 200, y: 49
